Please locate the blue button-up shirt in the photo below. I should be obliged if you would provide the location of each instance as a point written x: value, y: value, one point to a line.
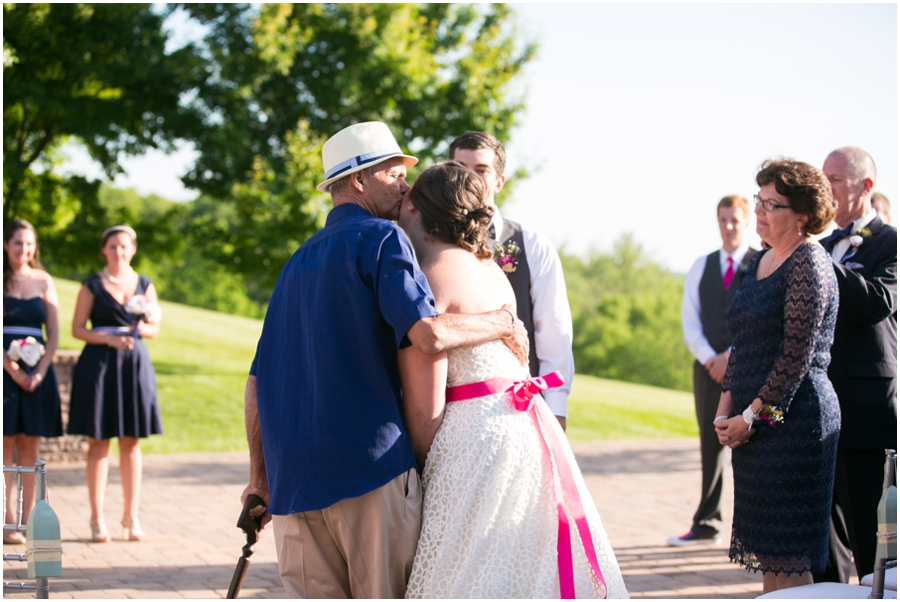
x: 328, y: 386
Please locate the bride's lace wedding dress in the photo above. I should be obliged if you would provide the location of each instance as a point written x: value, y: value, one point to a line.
x: 489, y: 524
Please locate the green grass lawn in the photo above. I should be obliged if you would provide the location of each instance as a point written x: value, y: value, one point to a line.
x: 610, y: 409
x: 201, y: 359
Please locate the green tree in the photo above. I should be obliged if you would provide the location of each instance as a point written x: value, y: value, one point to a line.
x: 290, y: 75
x: 96, y: 73
x: 71, y: 247
x: 626, y: 317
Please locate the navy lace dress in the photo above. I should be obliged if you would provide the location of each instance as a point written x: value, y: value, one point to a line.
x: 113, y: 391
x: 36, y: 414
x: 783, y: 327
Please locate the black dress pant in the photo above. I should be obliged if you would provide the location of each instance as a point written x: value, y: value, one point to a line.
x: 713, y: 456
x: 858, y: 481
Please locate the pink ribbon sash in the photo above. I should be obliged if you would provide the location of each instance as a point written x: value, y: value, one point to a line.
x: 523, y: 393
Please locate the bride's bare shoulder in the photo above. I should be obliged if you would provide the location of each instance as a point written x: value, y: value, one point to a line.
x: 462, y: 283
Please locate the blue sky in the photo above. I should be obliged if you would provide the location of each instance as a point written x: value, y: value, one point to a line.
x: 640, y: 117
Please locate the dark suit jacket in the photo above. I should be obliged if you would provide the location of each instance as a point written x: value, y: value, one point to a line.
x: 863, y: 366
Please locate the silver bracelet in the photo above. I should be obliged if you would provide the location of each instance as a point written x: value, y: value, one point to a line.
x: 512, y: 317
x: 723, y: 417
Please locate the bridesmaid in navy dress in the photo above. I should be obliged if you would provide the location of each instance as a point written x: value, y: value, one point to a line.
x: 778, y: 410
x: 114, y: 385
x: 31, y: 407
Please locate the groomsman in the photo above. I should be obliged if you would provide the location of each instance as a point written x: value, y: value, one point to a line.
x: 532, y: 264
x: 708, y: 290
x: 863, y: 359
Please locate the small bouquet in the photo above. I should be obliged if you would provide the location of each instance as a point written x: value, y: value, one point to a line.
x: 139, y: 306
x: 26, y: 350
x: 768, y: 417
x: 141, y: 309
x: 507, y: 256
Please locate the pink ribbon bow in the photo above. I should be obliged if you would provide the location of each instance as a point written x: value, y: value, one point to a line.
x: 523, y: 391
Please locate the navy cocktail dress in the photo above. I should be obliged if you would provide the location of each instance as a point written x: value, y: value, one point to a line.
x: 114, y: 391
x: 36, y: 414
x: 783, y: 327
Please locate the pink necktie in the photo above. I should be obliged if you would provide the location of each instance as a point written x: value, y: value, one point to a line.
x: 729, y: 274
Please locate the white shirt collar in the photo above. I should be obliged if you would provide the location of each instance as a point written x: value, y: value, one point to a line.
x: 864, y: 220
x: 497, y: 221
x: 737, y: 256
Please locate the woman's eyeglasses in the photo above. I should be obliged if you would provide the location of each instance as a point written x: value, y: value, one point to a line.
x: 767, y: 205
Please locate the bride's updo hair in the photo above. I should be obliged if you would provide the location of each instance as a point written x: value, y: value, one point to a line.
x: 451, y: 200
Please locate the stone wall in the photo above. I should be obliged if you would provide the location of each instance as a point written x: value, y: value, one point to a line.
x: 68, y: 448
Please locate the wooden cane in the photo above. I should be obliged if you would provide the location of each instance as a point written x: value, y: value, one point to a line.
x: 250, y: 525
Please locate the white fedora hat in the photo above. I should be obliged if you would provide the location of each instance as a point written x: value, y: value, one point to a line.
x: 357, y: 147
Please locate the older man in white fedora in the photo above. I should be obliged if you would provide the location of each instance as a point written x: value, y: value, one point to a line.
x: 329, y: 450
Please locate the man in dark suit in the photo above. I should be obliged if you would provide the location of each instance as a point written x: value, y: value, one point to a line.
x: 863, y: 359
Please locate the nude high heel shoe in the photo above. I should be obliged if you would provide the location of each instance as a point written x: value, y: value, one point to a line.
x: 99, y: 534
x: 131, y: 529
x: 13, y: 537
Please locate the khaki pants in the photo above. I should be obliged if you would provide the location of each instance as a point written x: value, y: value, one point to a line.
x: 356, y: 548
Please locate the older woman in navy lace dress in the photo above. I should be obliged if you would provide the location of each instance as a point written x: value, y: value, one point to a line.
x: 778, y: 410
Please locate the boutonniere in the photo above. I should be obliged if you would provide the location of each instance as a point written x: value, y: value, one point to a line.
x: 857, y: 238
x: 507, y: 256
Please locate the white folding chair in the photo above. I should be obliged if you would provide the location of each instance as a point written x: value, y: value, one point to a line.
x: 890, y: 579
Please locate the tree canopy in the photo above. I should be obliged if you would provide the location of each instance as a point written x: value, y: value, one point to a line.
x: 257, y: 94
x: 95, y: 72
x: 290, y: 75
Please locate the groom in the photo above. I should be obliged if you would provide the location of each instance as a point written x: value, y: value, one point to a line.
x: 329, y: 451
x: 535, y: 272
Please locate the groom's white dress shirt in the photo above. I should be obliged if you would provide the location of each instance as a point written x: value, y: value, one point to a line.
x: 550, y: 311
x: 690, y: 305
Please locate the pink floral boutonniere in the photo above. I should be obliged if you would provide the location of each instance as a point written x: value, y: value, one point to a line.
x: 507, y: 256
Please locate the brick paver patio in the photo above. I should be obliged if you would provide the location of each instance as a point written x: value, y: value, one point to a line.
x: 645, y: 490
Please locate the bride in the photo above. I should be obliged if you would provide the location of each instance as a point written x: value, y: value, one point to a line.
x: 506, y: 513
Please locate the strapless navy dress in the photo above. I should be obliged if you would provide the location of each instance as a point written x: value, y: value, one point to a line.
x: 114, y: 391
x: 35, y: 414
